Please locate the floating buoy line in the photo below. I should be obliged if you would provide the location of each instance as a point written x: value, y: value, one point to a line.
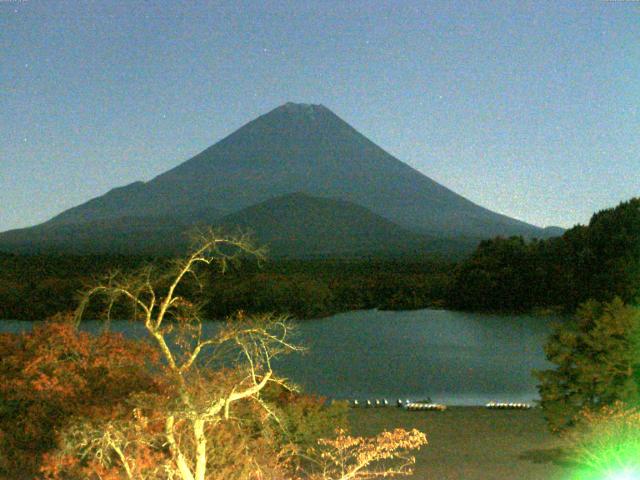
x: 426, y: 406
x: 429, y: 405
x: 509, y: 405
x: 406, y: 404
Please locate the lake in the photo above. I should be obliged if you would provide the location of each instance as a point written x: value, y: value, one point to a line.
x: 455, y: 358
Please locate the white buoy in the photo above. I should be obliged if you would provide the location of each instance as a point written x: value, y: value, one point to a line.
x: 415, y: 406
x: 508, y: 405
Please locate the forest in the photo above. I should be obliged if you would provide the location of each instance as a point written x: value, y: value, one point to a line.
x: 33, y: 287
x: 597, y: 261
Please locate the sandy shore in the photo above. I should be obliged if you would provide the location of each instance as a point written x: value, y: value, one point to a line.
x: 472, y: 443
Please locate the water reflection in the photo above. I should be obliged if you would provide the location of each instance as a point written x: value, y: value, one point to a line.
x: 454, y: 358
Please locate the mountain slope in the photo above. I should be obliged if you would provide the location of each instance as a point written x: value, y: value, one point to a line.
x: 123, y: 235
x: 301, y: 148
x: 294, y: 225
x: 299, y: 225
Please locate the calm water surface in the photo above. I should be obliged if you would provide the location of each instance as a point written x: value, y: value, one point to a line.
x: 453, y: 357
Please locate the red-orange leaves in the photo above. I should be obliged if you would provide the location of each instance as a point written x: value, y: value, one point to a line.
x: 385, y: 455
x: 54, y: 373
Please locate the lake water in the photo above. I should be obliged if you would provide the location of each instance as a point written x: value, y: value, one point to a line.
x: 454, y: 358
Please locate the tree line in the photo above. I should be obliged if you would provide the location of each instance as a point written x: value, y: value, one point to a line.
x: 598, y: 261
x: 34, y: 287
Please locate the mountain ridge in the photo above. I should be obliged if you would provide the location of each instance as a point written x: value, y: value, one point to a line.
x: 294, y: 225
x: 298, y: 148
x: 299, y: 225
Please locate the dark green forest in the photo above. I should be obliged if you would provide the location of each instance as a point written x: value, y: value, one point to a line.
x: 35, y: 287
x: 598, y: 261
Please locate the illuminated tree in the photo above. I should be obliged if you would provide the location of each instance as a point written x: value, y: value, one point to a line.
x: 217, y: 413
x: 200, y: 399
x: 597, y: 358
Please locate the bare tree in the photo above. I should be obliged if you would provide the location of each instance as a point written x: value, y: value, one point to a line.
x: 208, y: 383
x: 202, y: 399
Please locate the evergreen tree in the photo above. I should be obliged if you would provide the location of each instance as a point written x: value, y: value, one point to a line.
x: 597, y: 360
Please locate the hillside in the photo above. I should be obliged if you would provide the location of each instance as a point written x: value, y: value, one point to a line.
x: 299, y: 225
x: 295, y: 225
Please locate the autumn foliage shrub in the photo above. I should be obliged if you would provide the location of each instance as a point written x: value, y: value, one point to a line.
x: 55, y: 373
x: 133, y: 446
x: 306, y: 418
x: 347, y: 457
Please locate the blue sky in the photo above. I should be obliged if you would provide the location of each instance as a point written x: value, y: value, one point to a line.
x: 531, y: 109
